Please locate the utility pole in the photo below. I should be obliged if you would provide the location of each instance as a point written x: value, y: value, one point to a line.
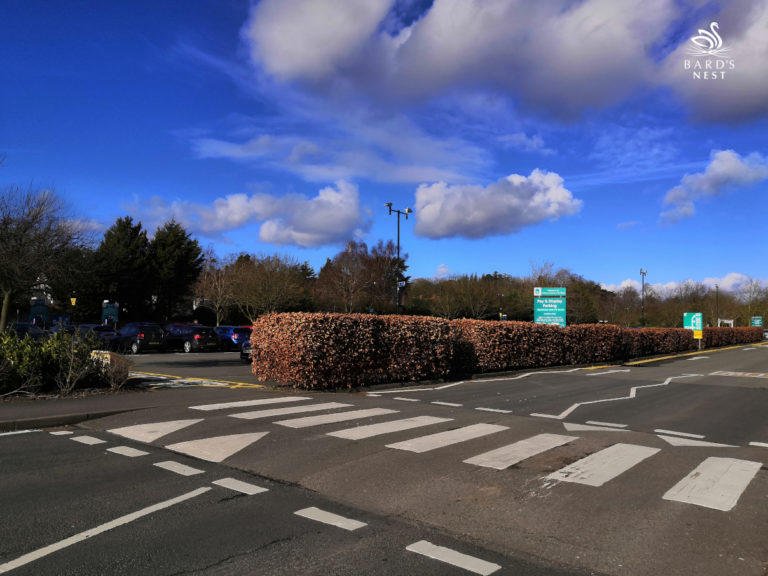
x: 405, y: 211
x: 642, y: 294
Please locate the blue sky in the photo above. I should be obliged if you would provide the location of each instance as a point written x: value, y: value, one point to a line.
x: 521, y: 133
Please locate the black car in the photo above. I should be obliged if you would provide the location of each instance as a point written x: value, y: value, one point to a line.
x: 245, y: 351
x: 99, y: 332
x: 191, y: 337
x: 23, y: 329
x: 136, y: 337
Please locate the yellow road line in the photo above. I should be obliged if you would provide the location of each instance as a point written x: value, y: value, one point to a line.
x: 695, y: 353
x: 231, y: 383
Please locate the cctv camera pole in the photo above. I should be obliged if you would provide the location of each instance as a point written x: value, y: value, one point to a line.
x: 405, y: 211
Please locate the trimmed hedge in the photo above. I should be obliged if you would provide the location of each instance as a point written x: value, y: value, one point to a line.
x: 318, y: 351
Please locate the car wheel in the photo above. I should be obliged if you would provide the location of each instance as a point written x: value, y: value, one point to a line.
x: 187, y: 346
x: 135, y: 348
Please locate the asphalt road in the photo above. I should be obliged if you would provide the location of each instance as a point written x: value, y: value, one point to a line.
x: 657, y: 468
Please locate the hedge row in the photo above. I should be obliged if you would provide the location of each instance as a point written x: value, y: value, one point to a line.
x: 317, y: 351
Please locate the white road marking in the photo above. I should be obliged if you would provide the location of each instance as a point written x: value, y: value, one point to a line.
x: 683, y: 434
x: 678, y: 441
x: 89, y: 440
x: 127, y: 451
x: 716, y: 483
x: 600, y: 467
x: 246, y: 403
x: 741, y: 374
x: 759, y: 444
x: 606, y: 372
x: 178, y: 468
x: 61, y: 433
x: 42, y: 552
x: 239, y: 486
x: 406, y: 399
x: 572, y: 427
x: 507, y: 456
x: 15, y: 432
x: 329, y: 518
x: 448, y: 556
x: 290, y: 410
x: 698, y: 358
x: 451, y: 404
x: 308, y: 421
x: 608, y: 424
x: 361, y: 432
x: 496, y: 410
x: 442, y: 439
x: 148, y: 433
x: 218, y: 448
x: 632, y: 394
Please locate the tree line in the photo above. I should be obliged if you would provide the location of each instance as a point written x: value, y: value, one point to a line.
x: 168, y: 276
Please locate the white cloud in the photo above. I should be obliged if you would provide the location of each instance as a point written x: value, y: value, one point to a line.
x: 504, y: 207
x: 726, y: 171
x: 442, y: 271
x: 521, y: 141
x: 333, y: 216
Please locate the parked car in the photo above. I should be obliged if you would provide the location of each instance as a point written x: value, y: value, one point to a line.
x: 101, y: 332
x: 232, y: 337
x: 245, y: 351
x: 136, y: 337
x: 23, y: 329
x: 191, y: 337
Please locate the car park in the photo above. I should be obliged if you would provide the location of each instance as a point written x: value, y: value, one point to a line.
x: 137, y: 337
x: 232, y: 337
x: 100, y: 332
x: 191, y: 338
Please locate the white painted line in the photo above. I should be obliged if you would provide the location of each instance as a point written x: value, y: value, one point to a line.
x: 42, y: 552
x: 571, y: 427
x: 683, y: 434
x: 442, y: 439
x: 448, y: 556
x: 678, y: 441
x: 148, y: 433
x: 451, y: 404
x: 599, y: 468
x: 329, y: 518
x: 308, y: 421
x: 178, y: 468
x: 373, y: 395
x: 292, y: 410
x: 15, y: 432
x: 759, y: 444
x: 406, y: 399
x: 246, y: 403
x: 218, y: 448
x: 606, y: 372
x: 127, y: 451
x: 61, y: 433
x: 89, y: 440
x: 361, y: 432
x: 698, y: 358
x: 507, y: 456
x: 239, y: 486
x: 496, y: 410
x: 716, y: 483
x: 608, y: 424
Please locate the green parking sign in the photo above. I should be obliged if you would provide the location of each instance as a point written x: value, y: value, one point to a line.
x: 756, y: 321
x: 549, y: 311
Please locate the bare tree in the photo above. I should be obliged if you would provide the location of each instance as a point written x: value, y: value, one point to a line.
x: 34, y: 236
x: 214, y: 286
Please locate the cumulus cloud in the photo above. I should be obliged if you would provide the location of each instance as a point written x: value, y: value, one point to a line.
x: 561, y: 56
x: 725, y: 172
x: 442, y: 271
x: 333, y: 216
x: 504, y: 207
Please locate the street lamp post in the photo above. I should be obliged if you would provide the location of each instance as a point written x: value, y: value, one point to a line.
x: 642, y: 294
x: 717, y: 305
x: 405, y: 211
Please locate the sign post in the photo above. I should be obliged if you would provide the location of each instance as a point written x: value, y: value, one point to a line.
x: 694, y: 321
x: 549, y: 306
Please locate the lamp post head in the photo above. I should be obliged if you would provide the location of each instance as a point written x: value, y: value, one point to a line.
x: 389, y: 205
x: 406, y: 212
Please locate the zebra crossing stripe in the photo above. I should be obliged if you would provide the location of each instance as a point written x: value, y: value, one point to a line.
x: 240, y: 486
x: 442, y: 439
x: 511, y: 454
x: 329, y: 518
x: 308, y: 421
x: 247, y: 403
x: 178, y: 468
x: 89, y: 440
x: 127, y: 451
x: 715, y: 483
x: 290, y: 410
x: 600, y: 467
x: 361, y: 432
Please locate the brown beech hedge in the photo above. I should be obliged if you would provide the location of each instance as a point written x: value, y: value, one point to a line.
x: 317, y: 351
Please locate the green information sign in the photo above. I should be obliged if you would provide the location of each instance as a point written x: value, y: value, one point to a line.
x: 538, y: 292
x: 756, y: 321
x: 693, y: 320
x: 549, y: 311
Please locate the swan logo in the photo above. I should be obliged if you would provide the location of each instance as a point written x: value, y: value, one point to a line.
x: 709, y: 60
